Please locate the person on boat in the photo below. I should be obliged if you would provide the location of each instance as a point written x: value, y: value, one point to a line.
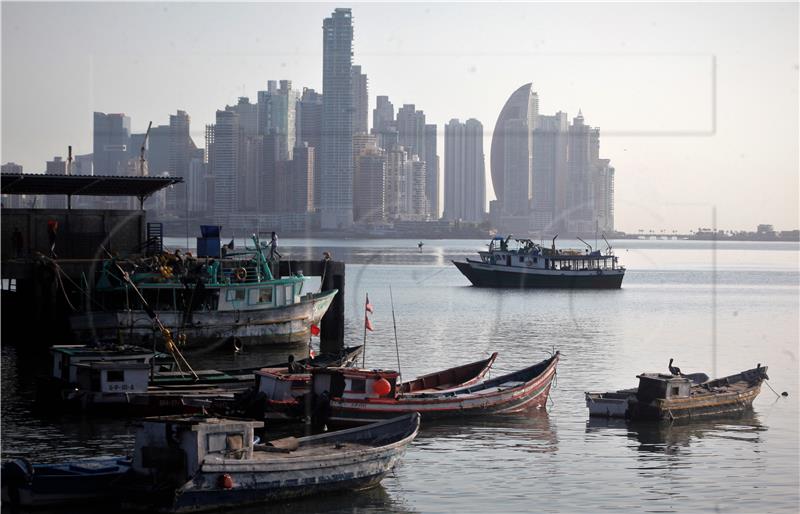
x: 295, y: 367
x: 273, y: 247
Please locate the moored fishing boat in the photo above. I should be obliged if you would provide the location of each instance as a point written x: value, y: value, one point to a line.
x: 283, y: 395
x: 130, y: 380
x: 530, y: 265
x: 675, y: 396
x: 208, y: 463
x: 353, y: 396
x: 207, y: 304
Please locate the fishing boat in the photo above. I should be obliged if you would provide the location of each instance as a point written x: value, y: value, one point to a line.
x: 352, y: 396
x: 521, y: 263
x: 675, y: 396
x: 207, y: 304
x: 282, y: 395
x: 81, y: 481
x: 131, y: 380
x: 208, y: 463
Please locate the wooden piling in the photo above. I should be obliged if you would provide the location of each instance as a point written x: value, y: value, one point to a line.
x: 332, y: 275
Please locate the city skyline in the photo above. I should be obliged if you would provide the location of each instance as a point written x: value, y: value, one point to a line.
x: 671, y: 168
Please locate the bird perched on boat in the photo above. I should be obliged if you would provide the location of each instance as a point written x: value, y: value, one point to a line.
x: 675, y: 370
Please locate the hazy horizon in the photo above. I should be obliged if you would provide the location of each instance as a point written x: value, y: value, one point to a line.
x: 691, y: 99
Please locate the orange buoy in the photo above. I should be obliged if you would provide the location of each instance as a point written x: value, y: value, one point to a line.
x: 382, y: 387
x: 226, y: 481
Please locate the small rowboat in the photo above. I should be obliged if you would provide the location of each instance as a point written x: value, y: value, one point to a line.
x: 81, y: 481
x: 283, y: 393
x: 671, y: 397
x: 353, y: 396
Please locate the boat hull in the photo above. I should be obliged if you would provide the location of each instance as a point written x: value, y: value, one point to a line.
x: 690, y: 408
x: 209, y: 330
x: 487, y: 275
x: 457, y: 403
x: 253, y: 486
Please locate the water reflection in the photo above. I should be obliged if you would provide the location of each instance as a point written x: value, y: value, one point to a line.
x: 529, y: 431
x: 679, y: 436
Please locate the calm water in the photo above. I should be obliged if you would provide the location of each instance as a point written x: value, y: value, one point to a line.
x: 550, y: 460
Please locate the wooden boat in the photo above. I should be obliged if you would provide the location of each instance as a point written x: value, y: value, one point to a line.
x: 80, y: 481
x: 234, y: 301
x: 530, y: 265
x: 282, y: 395
x: 671, y: 397
x: 209, y: 464
x: 352, y: 396
x: 125, y: 380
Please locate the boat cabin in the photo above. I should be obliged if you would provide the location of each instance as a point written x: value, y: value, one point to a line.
x: 524, y: 253
x: 66, y: 358
x: 279, y: 384
x: 112, y: 377
x: 658, y: 386
x: 174, y: 447
x: 354, y: 384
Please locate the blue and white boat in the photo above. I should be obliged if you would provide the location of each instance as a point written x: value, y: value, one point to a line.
x: 521, y: 263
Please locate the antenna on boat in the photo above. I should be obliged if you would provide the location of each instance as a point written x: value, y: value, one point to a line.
x: 396, y: 345
x: 603, y: 235
x: 587, y: 244
x: 554, y: 242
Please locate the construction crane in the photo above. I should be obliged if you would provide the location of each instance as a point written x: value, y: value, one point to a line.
x: 141, y: 151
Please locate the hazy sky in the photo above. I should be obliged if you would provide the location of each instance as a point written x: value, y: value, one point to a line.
x: 697, y: 103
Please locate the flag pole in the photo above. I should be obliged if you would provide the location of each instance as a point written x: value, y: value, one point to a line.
x: 364, y: 346
x: 396, y: 345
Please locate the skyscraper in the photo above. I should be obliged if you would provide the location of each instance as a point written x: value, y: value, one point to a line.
x: 464, y: 171
x: 277, y: 114
x: 369, y: 203
x: 226, y: 162
x: 336, y: 181
x: 111, y: 137
x: 398, y: 172
x: 360, y: 102
x: 382, y: 115
x: 583, y: 151
x: 512, y: 152
x: 411, y: 130
x: 549, y: 200
x: 309, y: 130
x: 181, y: 150
x: 431, y: 172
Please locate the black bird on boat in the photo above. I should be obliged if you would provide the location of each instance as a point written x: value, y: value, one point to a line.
x: 675, y: 370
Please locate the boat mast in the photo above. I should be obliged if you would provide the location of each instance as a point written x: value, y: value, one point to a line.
x: 396, y: 345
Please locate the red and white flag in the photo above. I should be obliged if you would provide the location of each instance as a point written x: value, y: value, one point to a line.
x: 367, y: 310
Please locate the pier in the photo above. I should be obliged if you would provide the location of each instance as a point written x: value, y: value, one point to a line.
x: 51, y: 257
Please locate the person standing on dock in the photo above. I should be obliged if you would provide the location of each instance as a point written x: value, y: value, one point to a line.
x: 17, y: 242
x: 52, y: 231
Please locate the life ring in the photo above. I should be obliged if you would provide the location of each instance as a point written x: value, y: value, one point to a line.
x: 241, y: 274
x: 237, y: 345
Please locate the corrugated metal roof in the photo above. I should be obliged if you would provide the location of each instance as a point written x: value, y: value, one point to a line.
x: 84, y: 185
